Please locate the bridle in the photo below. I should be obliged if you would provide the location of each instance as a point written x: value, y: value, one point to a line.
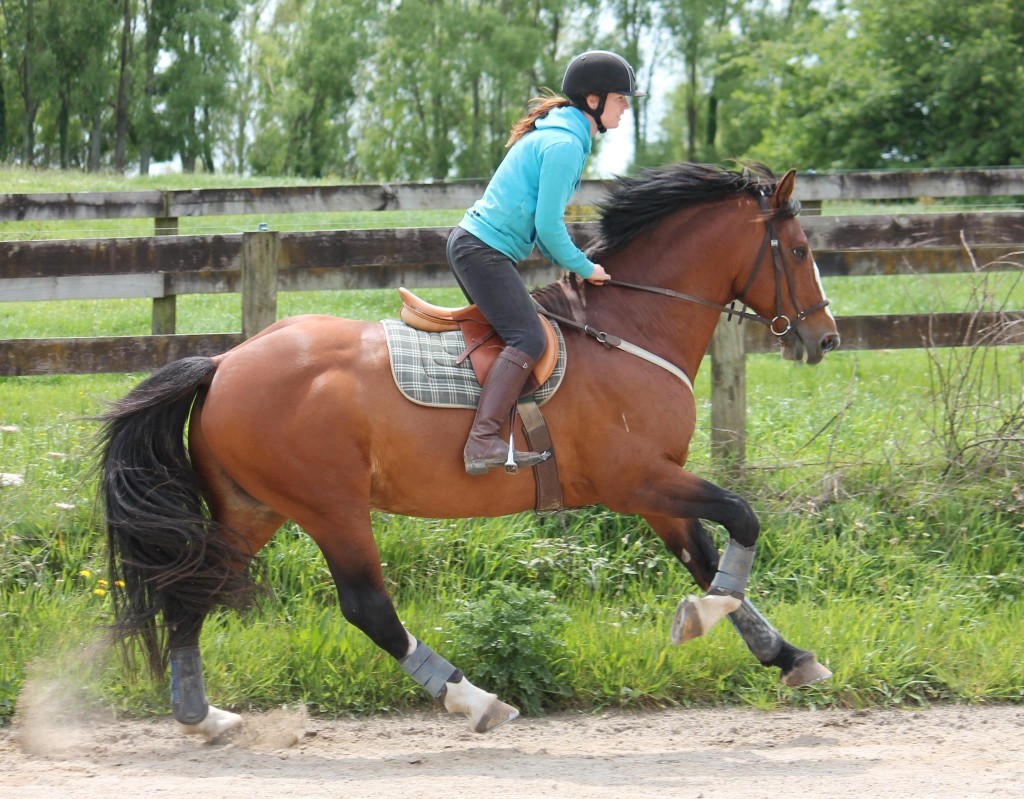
x: 780, y: 324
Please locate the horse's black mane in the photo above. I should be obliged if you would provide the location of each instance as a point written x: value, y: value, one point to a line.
x: 634, y: 204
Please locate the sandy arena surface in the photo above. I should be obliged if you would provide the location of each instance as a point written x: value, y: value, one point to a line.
x: 940, y: 752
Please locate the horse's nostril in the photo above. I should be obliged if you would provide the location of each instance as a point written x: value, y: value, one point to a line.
x: 830, y: 342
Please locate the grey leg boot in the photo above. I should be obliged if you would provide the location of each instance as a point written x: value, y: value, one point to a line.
x: 485, y: 447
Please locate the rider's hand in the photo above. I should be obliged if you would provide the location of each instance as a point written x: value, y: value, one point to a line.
x: 599, y: 276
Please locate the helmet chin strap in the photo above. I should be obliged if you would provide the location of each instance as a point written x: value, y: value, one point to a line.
x: 596, y: 113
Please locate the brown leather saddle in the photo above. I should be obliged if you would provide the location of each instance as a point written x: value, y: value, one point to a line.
x: 482, y: 347
x: 482, y: 342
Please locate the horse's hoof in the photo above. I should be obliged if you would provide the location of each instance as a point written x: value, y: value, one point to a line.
x: 694, y: 616
x: 807, y: 671
x: 494, y: 715
x: 217, y: 724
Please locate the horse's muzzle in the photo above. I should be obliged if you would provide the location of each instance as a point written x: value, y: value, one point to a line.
x: 830, y: 342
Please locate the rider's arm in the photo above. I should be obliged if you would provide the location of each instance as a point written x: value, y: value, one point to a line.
x: 560, y: 169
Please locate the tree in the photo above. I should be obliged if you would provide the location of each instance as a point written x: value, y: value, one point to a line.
x: 76, y: 35
x: 236, y: 129
x: 311, y: 72
x: 200, y: 48
x: 449, y: 78
x: 124, y: 81
x: 187, y: 49
x: 937, y: 84
x: 638, y: 39
x: 3, y: 92
x: 33, y: 64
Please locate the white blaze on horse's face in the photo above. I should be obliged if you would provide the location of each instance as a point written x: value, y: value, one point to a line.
x: 821, y: 288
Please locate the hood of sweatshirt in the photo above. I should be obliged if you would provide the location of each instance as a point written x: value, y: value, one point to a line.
x: 571, y: 119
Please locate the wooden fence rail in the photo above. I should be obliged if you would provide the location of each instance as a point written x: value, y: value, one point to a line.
x: 811, y: 188
x: 259, y: 264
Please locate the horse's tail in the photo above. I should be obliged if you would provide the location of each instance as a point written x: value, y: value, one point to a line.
x: 165, y: 552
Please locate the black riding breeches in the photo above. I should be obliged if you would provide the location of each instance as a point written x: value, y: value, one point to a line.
x: 491, y: 280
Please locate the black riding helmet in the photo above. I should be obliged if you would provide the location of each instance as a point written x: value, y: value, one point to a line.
x: 599, y: 72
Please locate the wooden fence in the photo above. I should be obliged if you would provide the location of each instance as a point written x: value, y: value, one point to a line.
x: 261, y: 263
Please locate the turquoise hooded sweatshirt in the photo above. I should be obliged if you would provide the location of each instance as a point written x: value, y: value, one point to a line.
x: 525, y: 200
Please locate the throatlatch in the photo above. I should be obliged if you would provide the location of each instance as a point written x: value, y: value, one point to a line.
x: 430, y: 670
x: 188, y: 692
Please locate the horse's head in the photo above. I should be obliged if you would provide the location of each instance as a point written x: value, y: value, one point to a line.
x: 784, y: 285
x: 768, y: 265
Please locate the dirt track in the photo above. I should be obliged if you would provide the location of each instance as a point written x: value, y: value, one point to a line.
x: 960, y: 752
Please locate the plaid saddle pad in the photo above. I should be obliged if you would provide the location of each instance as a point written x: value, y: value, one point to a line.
x: 424, y: 368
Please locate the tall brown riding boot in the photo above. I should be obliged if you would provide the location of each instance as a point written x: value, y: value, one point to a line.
x: 485, y: 447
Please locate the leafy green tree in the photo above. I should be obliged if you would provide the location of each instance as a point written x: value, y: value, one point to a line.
x: 184, y: 53
x: 870, y: 84
x: 77, y: 36
x: 125, y: 75
x: 3, y: 90
x: 200, y: 48
x: 955, y: 75
x: 418, y: 95
x: 449, y: 77
x: 32, y: 64
x: 236, y: 127
x: 639, y: 25
x: 311, y: 71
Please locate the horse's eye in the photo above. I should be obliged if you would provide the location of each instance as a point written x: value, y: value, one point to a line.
x: 799, y: 253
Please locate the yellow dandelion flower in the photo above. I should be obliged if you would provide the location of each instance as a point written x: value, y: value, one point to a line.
x: 85, y: 573
x: 102, y: 583
x: 119, y: 583
x: 100, y: 591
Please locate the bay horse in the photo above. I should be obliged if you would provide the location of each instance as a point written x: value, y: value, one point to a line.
x: 304, y: 422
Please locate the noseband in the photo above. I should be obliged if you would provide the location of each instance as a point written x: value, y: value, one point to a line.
x: 780, y: 324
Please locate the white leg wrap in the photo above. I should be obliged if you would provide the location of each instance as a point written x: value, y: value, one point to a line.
x: 733, y: 570
x: 430, y: 670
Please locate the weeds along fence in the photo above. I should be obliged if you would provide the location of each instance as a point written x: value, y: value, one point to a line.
x: 261, y: 263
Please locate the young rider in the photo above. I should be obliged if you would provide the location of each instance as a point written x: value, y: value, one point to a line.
x: 523, y: 205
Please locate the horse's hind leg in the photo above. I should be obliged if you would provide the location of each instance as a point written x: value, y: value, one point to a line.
x: 355, y: 566
x: 254, y: 525
x: 690, y: 543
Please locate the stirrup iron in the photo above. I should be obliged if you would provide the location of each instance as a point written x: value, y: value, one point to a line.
x: 511, y: 467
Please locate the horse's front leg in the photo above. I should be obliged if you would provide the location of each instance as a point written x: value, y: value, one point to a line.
x: 690, y: 543
x: 673, y: 493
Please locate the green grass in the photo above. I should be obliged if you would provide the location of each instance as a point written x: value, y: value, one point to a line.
x: 904, y: 570
x: 907, y: 582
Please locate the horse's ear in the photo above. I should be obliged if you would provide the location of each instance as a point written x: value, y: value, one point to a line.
x: 784, y: 189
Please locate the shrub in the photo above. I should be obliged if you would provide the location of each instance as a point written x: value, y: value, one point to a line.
x: 512, y: 638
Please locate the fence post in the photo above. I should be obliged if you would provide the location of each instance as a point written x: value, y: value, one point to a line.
x: 259, y: 281
x: 728, y: 394
x: 165, y: 309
